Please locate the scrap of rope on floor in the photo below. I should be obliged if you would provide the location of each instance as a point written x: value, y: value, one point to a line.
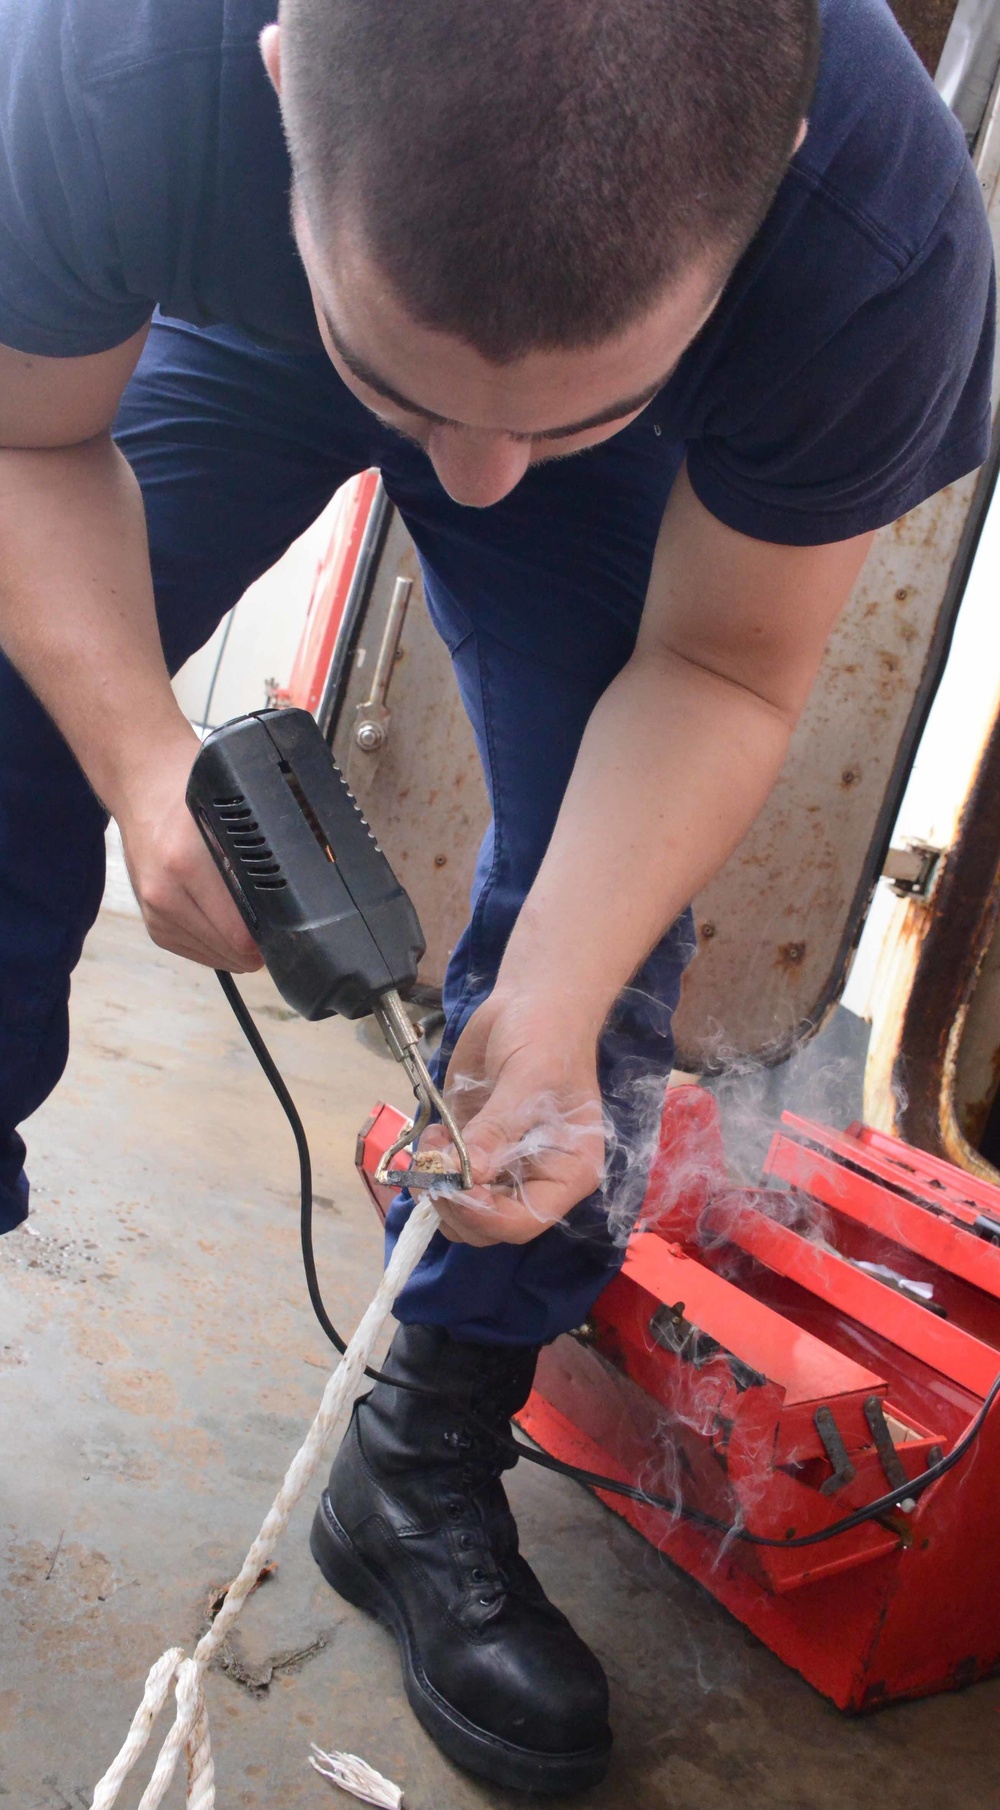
x: 189, y: 1734
x: 357, y: 1777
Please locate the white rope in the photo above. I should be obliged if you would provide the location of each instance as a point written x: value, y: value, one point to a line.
x: 357, y: 1777
x: 189, y: 1734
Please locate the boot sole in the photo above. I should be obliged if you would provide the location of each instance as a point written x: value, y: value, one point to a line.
x: 517, y: 1768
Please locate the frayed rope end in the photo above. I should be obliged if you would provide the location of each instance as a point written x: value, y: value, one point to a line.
x: 357, y: 1777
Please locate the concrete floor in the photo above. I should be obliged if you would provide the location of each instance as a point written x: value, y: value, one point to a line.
x: 158, y: 1364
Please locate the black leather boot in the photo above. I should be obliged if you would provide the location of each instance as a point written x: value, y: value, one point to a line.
x: 415, y: 1528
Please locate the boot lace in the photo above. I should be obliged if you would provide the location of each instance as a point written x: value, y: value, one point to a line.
x: 478, y: 1469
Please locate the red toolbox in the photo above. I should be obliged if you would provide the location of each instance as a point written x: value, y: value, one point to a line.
x: 772, y: 1360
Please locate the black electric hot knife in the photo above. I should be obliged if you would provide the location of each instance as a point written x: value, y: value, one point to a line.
x: 336, y: 929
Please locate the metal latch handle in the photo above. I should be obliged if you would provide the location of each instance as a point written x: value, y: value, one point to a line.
x: 372, y: 717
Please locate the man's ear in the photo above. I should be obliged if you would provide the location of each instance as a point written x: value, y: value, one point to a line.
x: 803, y: 127
x: 270, y: 49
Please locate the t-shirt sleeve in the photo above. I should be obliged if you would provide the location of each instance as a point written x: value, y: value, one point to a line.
x: 892, y: 407
x: 62, y: 292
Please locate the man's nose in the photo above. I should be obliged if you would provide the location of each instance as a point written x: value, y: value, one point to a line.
x: 477, y: 468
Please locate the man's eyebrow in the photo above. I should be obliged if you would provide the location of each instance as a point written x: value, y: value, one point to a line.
x: 372, y: 381
x: 614, y: 413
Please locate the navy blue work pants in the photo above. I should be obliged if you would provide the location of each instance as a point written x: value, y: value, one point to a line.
x: 237, y: 448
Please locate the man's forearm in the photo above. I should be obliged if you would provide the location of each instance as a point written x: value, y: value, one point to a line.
x: 77, y: 616
x: 77, y: 619
x: 674, y: 767
x: 676, y: 762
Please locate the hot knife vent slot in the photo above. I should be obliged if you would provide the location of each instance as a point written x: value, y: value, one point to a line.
x: 249, y: 846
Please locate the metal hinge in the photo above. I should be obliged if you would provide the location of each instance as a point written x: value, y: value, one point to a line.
x: 912, y: 869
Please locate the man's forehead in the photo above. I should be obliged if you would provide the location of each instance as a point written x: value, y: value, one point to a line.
x: 372, y: 380
x: 440, y: 378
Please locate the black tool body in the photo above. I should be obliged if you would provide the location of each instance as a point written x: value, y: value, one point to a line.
x: 333, y: 924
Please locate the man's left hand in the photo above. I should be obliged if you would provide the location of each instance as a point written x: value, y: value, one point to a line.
x: 529, y: 1108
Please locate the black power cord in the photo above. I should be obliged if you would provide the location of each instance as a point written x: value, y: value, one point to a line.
x: 872, y: 1511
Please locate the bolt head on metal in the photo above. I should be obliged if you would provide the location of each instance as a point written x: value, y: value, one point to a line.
x: 370, y: 737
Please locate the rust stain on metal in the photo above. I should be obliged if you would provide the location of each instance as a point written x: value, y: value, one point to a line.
x: 926, y: 24
x: 950, y: 934
x: 890, y: 668
x: 791, y: 955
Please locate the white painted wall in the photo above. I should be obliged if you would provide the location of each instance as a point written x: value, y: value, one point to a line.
x: 265, y: 631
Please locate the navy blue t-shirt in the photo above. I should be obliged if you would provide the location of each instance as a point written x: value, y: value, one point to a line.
x: 844, y: 377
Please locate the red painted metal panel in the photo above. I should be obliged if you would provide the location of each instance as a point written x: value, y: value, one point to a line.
x: 949, y: 1245
x: 863, y: 1298
x: 728, y: 1443
x: 938, y: 1177
x: 803, y: 1368
x: 818, y: 1628
x: 944, y: 1190
x: 918, y: 1618
x: 382, y: 1126
x: 329, y: 594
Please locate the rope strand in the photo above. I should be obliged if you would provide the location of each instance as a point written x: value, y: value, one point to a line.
x: 189, y: 1733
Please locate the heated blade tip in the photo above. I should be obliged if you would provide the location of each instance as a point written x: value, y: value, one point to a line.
x: 417, y: 1180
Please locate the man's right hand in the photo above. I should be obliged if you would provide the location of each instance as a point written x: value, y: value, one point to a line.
x: 184, y: 901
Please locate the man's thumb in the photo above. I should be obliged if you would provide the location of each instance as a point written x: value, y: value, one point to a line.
x: 490, y: 1141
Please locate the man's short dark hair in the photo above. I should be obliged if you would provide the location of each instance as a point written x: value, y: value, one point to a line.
x: 534, y: 173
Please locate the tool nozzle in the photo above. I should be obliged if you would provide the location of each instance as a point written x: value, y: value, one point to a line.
x: 403, y: 1041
